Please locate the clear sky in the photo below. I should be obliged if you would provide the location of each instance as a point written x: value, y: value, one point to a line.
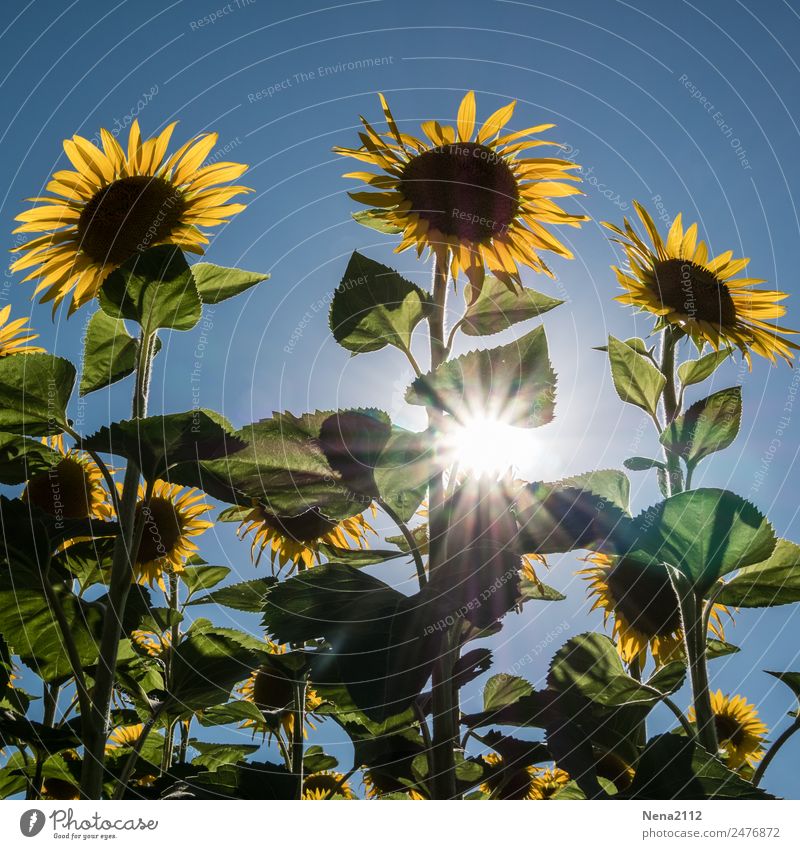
x: 686, y: 107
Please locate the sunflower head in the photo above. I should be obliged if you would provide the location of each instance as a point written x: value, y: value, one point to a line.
x: 15, y: 335
x: 297, y: 539
x: 124, y: 736
x: 118, y: 203
x: 740, y: 732
x: 642, y: 603
x: 71, y: 489
x: 326, y: 785
x: 467, y: 196
x: 521, y: 782
x: 151, y: 642
x: 170, y: 518
x: 271, y: 689
x: 699, y: 296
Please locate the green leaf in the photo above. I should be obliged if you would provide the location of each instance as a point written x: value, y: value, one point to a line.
x: 214, y: 755
x: 585, y: 511
x: 282, y: 466
x: 668, y: 678
x: 404, y: 469
x: 28, y: 624
x: 156, y: 289
x: 770, y: 583
x: 675, y: 767
x: 316, y: 760
x: 791, y: 679
x: 636, y: 379
x: 159, y: 442
x: 707, y: 426
x: 706, y: 533
x: 205, y: 666
x: 21, y: 458
x: 358, y: 557
x: 696, y: 371
x: 380, y: 649
x: 515, y: 379
x: 247, y: 596
x: 203, y: 576
x: 533, y: 591
x: 374, y: 306
x: 502, y: 690
x: 590, y: 665
x: 250, y: 781
x: 215, y: 283
x: 642, y: 464
x: 225, y: 714
x: 109, y: 353
x: 497, y: 307
x: 635, y: 343
x: 34, y: 393
x: 719, y: 648
x: 374, y: 219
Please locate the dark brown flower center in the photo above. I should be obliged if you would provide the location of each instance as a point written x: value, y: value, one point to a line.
x: 644, y: 595
x: 64, y: 490
x: 162, y: 529
x: 464, y: 190
x: 127, y: 217
x: 728, y: 729
x: 306, y: 527
x: 694, y: 291
x: 273, y: 690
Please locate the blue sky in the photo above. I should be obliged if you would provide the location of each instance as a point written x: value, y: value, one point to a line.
x: 686, y: 108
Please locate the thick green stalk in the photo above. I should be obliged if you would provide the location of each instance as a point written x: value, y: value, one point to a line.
x: 445, y: 719
x: 298, y: 727
x: 695, y: 638
x: 671, y: 409
x: 774, y: 749
x: 95, y: 724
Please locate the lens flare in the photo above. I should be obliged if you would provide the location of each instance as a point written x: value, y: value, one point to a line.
x: 486, y: 445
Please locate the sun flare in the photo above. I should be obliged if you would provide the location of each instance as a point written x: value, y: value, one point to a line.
x: 486, y: 445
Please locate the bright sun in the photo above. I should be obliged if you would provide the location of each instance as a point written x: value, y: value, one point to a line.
x: 487, y: 446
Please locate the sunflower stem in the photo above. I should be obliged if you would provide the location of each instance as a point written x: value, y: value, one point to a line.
x: 422, y: 578
x: 445, y: 720
x: 96, y: 720
x: 774, y: 749
x: 671, y: 408
x: 297, y: 734
x: 695, y: 638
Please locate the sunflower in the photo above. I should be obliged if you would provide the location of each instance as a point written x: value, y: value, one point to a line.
x: 116, y: 204
x: 151, y: 642
x: 642, y: 602
x: 271, y: 689
x: 377, y: 785
x: 124, y: 736
x: 15, y: 336
x: 522, y: 782
x: 467, y: 197
x: 740, y: 732
x: 170, y: 518
x: 297, y: 539
x: 701, y: 297
x: 62, y: 789
x: 326, y: 785
x: 73, y: 488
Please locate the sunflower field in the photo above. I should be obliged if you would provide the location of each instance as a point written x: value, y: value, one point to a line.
x: 123, y: 672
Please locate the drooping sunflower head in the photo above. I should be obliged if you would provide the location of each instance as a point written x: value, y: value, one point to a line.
x: 297, y: 539
x: 740, y: 732
x: 326, y: 785
x: 642, y: 603
x: 14, y: 335
x: 152, y: 643
x: 271, y: 689
x: 500, y: 782
x: 678, y: 282
x: 465, y: 195
x: 118, y: 203
x: 71, y: 489
x: 124, y: 736
x: 169, y: 519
